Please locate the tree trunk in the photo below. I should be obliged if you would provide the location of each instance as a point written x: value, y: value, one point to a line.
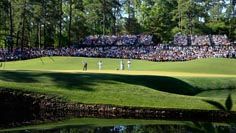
x: 70, y: 20
x: 40, y: 38
x: 60, y: 25
x: 37, y: 35
x: 23, y: 35
x: 11, y: 27
x: 44, y: 23
x: 17, y: 38
x: 23, y: 28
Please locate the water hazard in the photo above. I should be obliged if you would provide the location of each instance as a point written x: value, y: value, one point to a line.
x: 95, y: 125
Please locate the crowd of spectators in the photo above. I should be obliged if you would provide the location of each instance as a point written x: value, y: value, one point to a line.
x: 180, y: 53
x: 159, y: 52
x: 134, y: 47
x: 198, y: 40
x: 181, y: 40
x: 220, y: 40
x: 105, y: 40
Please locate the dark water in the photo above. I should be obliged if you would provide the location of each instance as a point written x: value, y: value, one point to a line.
x: 141, y: 129
x: 135, y: 129
x: 94, y: 125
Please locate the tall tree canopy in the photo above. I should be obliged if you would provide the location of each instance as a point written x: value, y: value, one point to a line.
x: 47, y: 23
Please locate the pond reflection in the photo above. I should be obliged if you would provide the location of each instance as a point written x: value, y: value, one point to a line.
x: 94, y: 125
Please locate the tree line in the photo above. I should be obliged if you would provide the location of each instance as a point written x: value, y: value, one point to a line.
x: 46, y: 23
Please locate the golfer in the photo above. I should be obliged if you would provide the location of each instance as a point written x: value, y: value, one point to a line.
x: 100, y: 65
x: 129, y: 64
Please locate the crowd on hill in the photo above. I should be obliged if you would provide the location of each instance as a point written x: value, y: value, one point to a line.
x: 105, y: 40
x: 200, y: 40
x: 219, y: 40
x: 181, y: 40
x: 159, y: 52
x: 196, y: 40
x: 132, y: 47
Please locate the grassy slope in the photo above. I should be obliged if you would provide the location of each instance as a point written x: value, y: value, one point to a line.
x: 129, y: 90
x: 212, y: 66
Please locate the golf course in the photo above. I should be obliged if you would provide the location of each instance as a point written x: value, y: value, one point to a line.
x: 181, y: 85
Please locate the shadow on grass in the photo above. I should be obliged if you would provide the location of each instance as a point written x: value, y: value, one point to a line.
x: 227, y: 107
x: 65, y: 81
x: 87, y: 81
x: 22, y: 77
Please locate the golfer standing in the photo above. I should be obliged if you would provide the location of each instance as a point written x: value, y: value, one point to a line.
x: 122, y: 65
x: 85, y: 66
x: 100, y: 65
x: 129, y: 64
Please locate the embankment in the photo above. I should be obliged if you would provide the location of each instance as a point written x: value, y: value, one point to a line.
x: 23, y: 108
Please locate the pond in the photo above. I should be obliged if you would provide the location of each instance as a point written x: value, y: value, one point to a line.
x: 97, y: 125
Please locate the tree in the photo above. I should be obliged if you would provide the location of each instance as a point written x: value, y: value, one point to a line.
x: 43, y: 23
x: 157, y: 18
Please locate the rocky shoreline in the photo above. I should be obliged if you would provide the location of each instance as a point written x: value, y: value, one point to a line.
x: 22, y: 108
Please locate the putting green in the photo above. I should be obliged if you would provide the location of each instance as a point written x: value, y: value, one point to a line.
x: 202, y: 66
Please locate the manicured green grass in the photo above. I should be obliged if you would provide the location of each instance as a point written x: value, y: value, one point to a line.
x: 126, y: 90
x: 211, y: 66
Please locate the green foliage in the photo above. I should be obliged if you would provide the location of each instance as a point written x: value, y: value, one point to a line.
x: 48, y: 23
x: 217, y: 27
x: 132, y: 26
x: 2, y: 43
